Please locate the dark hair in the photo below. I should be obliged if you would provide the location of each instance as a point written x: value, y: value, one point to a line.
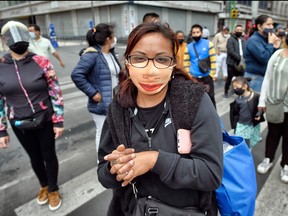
x: 259, y: 20
x: 179, y: 31
x: 150, y: 15
x: 36, y: 27
x: 238, y: 26
x: 128, y: 91
x: 226, y: 28
x: 196, y: 26
x: 99, y: 33
x: 241, y: 80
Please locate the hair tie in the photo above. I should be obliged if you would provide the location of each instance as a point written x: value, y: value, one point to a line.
x: 94, y: 30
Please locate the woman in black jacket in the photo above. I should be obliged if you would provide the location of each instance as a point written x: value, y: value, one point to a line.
x: 30, y: 89
x: 156, y: 101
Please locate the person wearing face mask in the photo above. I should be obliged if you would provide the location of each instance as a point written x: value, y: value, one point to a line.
x: 138, y: 146
x: 281, y: 34
x: 30, y: 89
x: 235, y: 60
x: 96, y: 73
x: 244, y: 115
x: 40, y: 45
x: 205, y: 49
x: 259, y: 48
x: 274, y: 102
x: 220, y: 44
x: 182, y: 46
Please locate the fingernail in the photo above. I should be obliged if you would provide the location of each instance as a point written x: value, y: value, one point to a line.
x: 131, y: 162
x: 133, y: 155
x: 105, y: 158
x: 123, y: 185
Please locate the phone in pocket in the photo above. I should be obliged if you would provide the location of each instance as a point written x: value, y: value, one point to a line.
x: 184, y: 143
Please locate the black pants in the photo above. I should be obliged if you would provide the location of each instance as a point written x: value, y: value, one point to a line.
x: 231, y: 73
x: 209, y: 86
x: 275, y: 131
x: 40, y: 147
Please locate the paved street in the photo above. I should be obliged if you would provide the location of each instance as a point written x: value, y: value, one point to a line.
x: 82, y: 193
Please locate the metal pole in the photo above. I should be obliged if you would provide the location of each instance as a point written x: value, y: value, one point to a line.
x: 31, y: 13
x: 92, y: 11
x: 254, y: 10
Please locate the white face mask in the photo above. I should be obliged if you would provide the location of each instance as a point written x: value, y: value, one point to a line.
x: 114, y: 44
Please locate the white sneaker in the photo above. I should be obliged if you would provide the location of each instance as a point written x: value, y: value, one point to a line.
x: 264, y: 166
x: 284, y: 174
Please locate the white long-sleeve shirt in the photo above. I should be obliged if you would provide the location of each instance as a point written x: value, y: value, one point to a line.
x: 281, y: 86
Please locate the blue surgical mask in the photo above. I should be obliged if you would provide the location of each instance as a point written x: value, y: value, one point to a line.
x: 32, y: 35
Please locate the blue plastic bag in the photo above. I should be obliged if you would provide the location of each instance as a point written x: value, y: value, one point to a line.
x: 236, y: 195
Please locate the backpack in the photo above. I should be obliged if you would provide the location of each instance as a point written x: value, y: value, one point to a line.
x: 236, y: 196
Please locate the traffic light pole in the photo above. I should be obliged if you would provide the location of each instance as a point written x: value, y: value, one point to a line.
x: 232, y: 10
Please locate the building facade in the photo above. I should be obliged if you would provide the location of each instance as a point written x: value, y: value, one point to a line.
x: 72, y: 19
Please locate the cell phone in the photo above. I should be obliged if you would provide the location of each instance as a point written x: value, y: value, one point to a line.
x: 184, y: 143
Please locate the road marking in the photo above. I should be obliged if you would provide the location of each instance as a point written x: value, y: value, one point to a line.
x: 75, y: 193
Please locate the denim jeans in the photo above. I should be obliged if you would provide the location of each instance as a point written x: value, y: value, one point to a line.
x: 256, y: 81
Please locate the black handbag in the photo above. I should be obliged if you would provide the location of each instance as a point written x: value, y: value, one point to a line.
x: 149, y: 206
x: 152, y: 207
x: 204, y: 64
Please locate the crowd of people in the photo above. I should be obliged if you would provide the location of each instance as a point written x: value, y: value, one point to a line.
x: 139, y: 106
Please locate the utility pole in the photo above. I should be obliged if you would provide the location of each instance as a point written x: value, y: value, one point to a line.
x: 254, y: 10
x: 232, y: 7
x: 92, y: 11
x: 31, y: 13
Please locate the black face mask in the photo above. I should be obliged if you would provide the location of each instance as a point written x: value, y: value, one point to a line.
x: 266, y: 31
x: 19, y: 47
x: 196, y: 39
x: 239, y: 91
x: 180, y: 41
x: 238, y: 34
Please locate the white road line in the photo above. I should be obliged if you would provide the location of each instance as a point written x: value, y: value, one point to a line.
x: 75, y: 193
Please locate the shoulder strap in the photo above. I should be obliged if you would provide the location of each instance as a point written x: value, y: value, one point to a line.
x: 196, y: 53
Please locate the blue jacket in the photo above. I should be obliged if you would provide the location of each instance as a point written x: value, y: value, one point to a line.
x: 92, y: 75
x: 202, y: 47
x: 257, y: 53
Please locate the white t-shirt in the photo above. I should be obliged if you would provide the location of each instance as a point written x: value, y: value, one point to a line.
x: 41, y: 47
x: 114, y: 68
x: 240, y: 47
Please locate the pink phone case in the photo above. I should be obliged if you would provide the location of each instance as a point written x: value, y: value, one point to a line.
x: 184, y: 141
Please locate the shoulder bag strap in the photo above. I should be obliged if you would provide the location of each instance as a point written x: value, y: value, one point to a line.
x: 196, y: 53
